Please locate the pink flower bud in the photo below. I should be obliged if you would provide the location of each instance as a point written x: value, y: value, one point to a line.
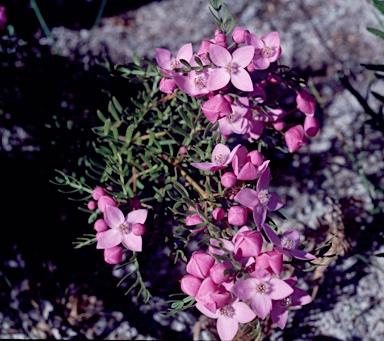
x: 167, y: 85
x: 237, y: 215
x: 279, y: 125
x: 216, y: 107
x: 194, y: 219
x: 100, y: 225
x: 113, y: 255
x: 274, y: 79
x: 250, y: 67
x: 238, y: 35
x: 190, y: 285
x: 220, y: 38
x: 311, y: 125
x: 295, y: 138
x: 228, y: 180
x: 91, y: 205
x: 272, y: 261
x: 218, y: 213
x: 200, y: 264
x: 217, y: 272
x: 306, y: 102
x: 138, y: 229
x: 204, y: 47
x: 183, y: 150
x: 105, y: 200
x: 97, y: 193
x: 211, y: 296
x: 109, y: 188
x: 248, y: 243
x: 255, y: 157
x: 3, y: 17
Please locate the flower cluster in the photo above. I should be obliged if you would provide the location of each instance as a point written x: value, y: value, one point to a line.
x: 241, y: 83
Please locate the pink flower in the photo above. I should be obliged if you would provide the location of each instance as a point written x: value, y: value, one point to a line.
x: 183, y: 150
x: 200, y: 264
x: 91, y: 205
x: 113, y: 255
x: 217, y: 106
x: 194, y: 219
x: 279, y: 312
x: 260, y: 288
x: 260, y: 200
x: 217, y: 272
x: 3, y: 17
x: 220, y: 38
x: 288, y: 243
x: 230, y: 68
x: 295, y: 138
x: 248, y: 166
x: 190, y: 285
x: 306, y: 102
x: 267, y: 49
x: 218, y: 213
x: 228, y: 180
x: 211, y: 295
x: 168, y: 62
x: 121, y: 229
x: 167, y: 85
x: 97, y: 193
x: 195, y: 83
x: 311, y: 125
x: 221, y: 157
x: 272, y: 261
x: 247, y: 243
x: 237, y: 215
x: 104, y: 201
x: 238, y: 35
x: 228, y: 317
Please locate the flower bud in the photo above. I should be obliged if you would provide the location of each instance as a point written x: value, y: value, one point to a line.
x: 138, y: 229
x: 279, y: 125
x: 306, y: 102
x: 105, y: 200
x: 167, y: 85
x: 272, y: 261
x: 3, y: 17
x: 91, y: 205
x: 255, y: 157
x: 248, y: 243
x: 311, y: 125
x: 113, y: 255
x: 204, y: 47
x: 136, y: 203
x: 190, y: 285
x: 100, y: 225
x: 217, y: 272
x: 183, y: 150
x: 218, y: 213
x: 97, y: 193
x: 238, y: 35
x: 295, y: 138
x: 200, y: 264
x: 237, y: 215
x: 220, y: 39
x: 216, y: 107
x: 228, y: 180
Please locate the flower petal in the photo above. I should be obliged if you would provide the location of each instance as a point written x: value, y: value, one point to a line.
x: 137, y: 216
x: 243, y: 313
x: 243, y: 55
x: 264, y: 180
x: 242, y: 80
x: 261, y: 305
x: 247, y: 197
x: 218, y: 79
x: 274, y: 203
x: 113, y: 216
x: 220, y: 56
x: 259, y: 215
x: 226, y: 327
x: 279, y: 289
x: 132, y: 242
x: 109, y: 238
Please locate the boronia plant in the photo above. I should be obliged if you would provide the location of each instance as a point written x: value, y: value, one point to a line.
x: 192, y: 147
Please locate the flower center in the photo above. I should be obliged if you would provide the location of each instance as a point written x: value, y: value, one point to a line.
x: 261, y: 288
x: 125, y: 228
x: 200, y: 82
x: 288, y: 243
x: 219, y: 160
x: 232, y: 68
x: 227, y: 310
x: 263, y: 196
x: 286, y: 302
x: 175, y: 64
x: 268, y: 52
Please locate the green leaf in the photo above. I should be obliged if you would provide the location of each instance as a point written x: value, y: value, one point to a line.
x: 379, y: 4
x: 107, y: 127
x: 376, y: 32
x: 117, y: 105
x: 181, y: 190
x: 101, y: 116
x: 128, y: 133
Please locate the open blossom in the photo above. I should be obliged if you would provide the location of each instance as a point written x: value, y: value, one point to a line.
x: 260, y: 200
x: 230, y: 68
x: 228, y: 317
x: 279, y: 312
x: 194, y: 83
x: 248, y: 166
x: 168, y: 62
x: 288, y: 243
x: 267, y: 49
x: 216, y: 107
x: 121, y: 228
x: 260, y: 289
x: 221, y: 157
